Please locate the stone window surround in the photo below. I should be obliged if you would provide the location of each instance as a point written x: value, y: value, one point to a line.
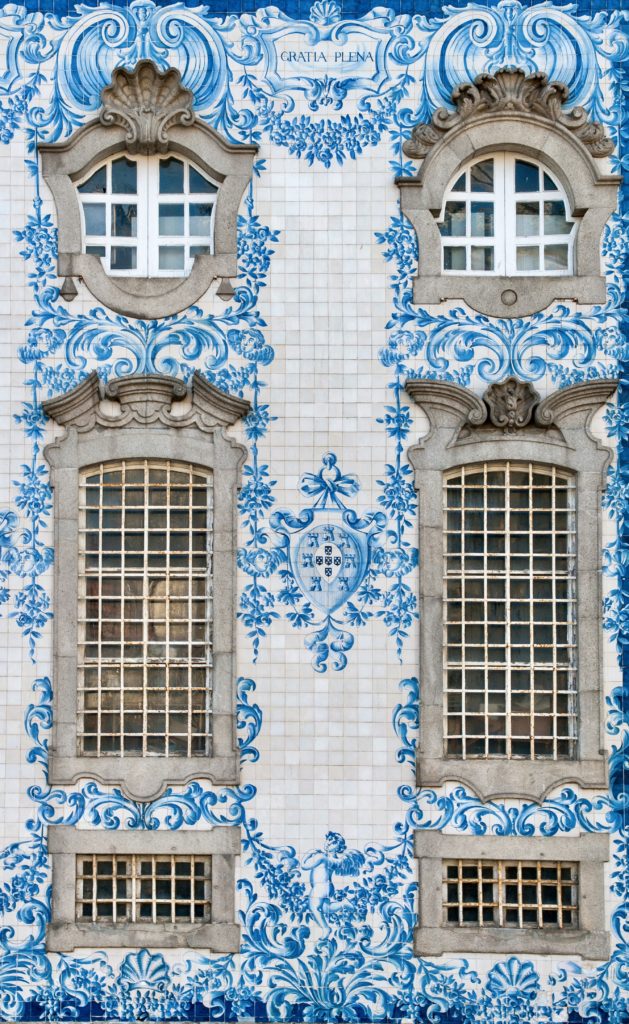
x: 149, y: 416
x: 165, y: 123
x: 590, y: 940
x: 220, y: 935
x: 460, y: 435
x: 528, y: 126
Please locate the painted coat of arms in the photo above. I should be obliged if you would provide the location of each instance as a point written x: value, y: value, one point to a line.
x: 328, y: 549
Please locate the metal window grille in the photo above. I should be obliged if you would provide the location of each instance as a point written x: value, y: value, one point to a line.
x: 143, y: 889
x: 510, y: 612
x: 145, y: 659
x: 510, y: 894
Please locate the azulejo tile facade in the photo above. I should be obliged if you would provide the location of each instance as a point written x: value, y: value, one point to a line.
x: 320, y: 335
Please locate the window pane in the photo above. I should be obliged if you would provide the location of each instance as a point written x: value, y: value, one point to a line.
x: 171, y: 257
x: 483, y: 219
x: 453, y: 258
x: 95, y: 218
x: 555, y: 257
x: 97, y: 182
x: 199, y: 183
x: 549, y: 184
x: 124, y: 176
x: 124, y: 220
x: 527, y: 257
x: 482, y: 176
x: 96, y: 250
x: 526, y: 219
x: 123, y: 257
x: 459, y: 185
x: 526, y: 177
x: 200, y: 219
x: 555, y: 222
x: 200, y: 250
x: 171, y: 220
x: 482, y: 257
x: 454, y: 219
x: 171, y: 175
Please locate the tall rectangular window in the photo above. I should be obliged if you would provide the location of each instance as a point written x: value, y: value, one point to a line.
x: 145, y: 652
x: 510, y: 612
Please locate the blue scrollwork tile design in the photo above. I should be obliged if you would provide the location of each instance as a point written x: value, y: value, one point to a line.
x: 326, y: 936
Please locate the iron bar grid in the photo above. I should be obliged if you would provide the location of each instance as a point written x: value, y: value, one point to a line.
x: 510, y: 612
x: 510, y: 894
x: 143, y: 889
x: 145, y: 653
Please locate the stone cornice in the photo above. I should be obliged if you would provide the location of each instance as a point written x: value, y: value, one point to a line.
x: 146, y: 399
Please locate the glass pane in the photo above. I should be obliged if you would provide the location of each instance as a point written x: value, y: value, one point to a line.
x: 171, y: 219
x: 200, y: 219
x: 124, y: 176
x: 123, y: 257
x: 526, y: 219
x: 95, y: 218
x: 124, y: 220
x: 482, y: 176
x: 171, y: 175
x: 97, y: 182
x: 453, y: 258
x: 549, y: 184
x: 556, y: 257
x: 527, y: 257
x: 555, y: 222
x: 95, y: 250
x: 199, y: 183
x: 459, y: 185
x: 482, y: 257
x: 454, y: 219
x: 171, y: 257
x: 200, y: 250
x: 483, y: 219
x: 526, y: 177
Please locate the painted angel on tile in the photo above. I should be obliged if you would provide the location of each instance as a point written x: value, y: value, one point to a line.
x: 334, y: 859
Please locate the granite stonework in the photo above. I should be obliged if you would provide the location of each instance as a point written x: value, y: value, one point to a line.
x: 320, y: 336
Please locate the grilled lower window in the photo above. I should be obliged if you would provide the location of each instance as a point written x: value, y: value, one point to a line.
x: 510, y: 604
x: 143, y: 889
x: 145, y: 609
x: 510, y: 894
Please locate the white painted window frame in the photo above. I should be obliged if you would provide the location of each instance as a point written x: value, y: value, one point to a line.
x: 504, y: 240
x: 147, y: 199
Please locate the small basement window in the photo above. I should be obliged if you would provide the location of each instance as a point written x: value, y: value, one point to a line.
x: 143, y: 889
x: 514, y: 894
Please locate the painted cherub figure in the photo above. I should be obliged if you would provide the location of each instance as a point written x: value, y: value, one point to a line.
x: 333, y: 859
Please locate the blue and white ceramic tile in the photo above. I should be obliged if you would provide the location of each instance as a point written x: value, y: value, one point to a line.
x: 320, y: 336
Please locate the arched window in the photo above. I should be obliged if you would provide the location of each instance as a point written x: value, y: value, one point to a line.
x: 144, y: 598
x: 511, y: 198
x: 148, y: 215
x: 506, y: 215
x: 144, y: 192
x: 510, y: 551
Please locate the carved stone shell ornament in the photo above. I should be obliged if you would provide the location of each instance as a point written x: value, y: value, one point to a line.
x: 509, y: 91
x: 511, y: 404
x: 146, y: 102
